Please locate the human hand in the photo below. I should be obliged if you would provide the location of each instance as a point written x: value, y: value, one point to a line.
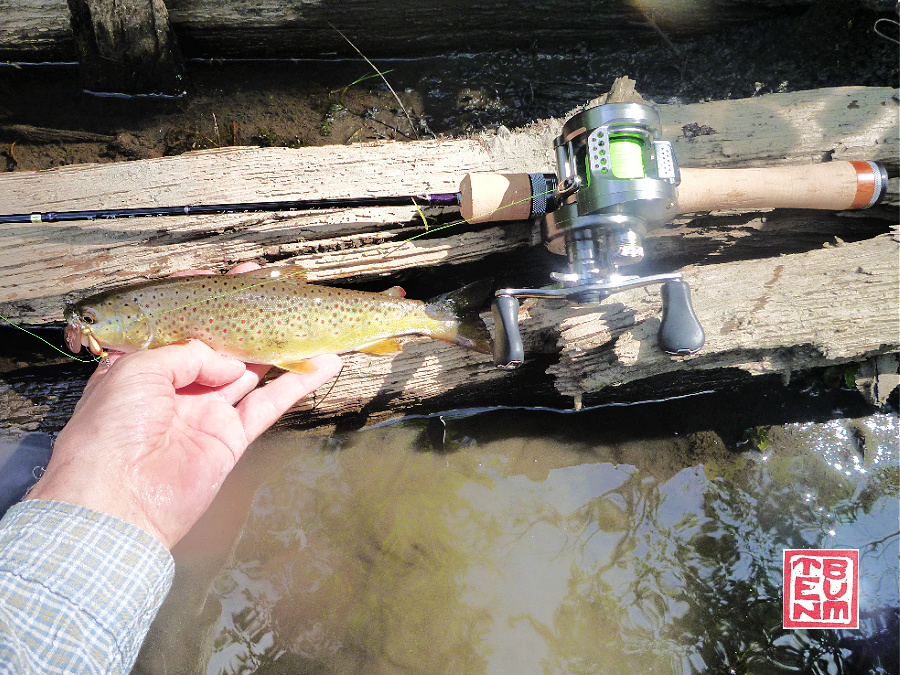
x: 156, y: 432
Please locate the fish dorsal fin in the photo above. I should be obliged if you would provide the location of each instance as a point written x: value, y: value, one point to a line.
x: 394, y: 292
x: 385, y: 347
x: 303, y: 366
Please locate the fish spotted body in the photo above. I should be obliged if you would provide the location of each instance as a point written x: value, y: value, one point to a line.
x: 270, y: 317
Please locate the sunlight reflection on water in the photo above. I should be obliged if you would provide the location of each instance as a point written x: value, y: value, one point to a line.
x: 531, y: 555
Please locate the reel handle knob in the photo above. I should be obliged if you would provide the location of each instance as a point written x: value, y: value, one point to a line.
x: 508, y: 349
x: 680, y: 332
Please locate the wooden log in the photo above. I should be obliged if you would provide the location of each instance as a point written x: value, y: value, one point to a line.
x: 763, y: 311
x: 44, y: 266
x: 126, y: 48
x: 779, y: 315
x: 268, y: 28
x: 826, y: 307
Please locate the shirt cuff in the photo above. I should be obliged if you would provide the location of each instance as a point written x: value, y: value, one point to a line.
x: 110, y: 576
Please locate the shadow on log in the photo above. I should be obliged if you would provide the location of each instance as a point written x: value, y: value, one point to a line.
x: 273, y: 28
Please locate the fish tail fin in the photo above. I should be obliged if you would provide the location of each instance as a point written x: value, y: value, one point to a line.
x: 460, y: 309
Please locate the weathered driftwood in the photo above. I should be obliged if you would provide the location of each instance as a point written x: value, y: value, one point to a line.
x: 302, y: 28
x: 779, y: 315
x: 771, y: 297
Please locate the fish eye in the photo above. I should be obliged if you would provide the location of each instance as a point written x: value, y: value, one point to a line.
x: 88, y: 318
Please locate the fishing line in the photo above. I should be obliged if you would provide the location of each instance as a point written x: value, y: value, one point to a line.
x: 280, y: 275
x: 878, y: 31
x: 48, y: 343
x: 463, y: 220
x: 224, y: 294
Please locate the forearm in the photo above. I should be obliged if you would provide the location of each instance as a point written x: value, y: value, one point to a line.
x: 78, y: 589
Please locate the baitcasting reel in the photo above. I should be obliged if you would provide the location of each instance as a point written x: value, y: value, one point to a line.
x: 615, y: 181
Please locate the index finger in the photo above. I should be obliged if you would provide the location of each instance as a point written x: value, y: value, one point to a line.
x: 262, y: 407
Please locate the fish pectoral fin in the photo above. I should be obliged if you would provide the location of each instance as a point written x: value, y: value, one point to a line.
x: 394, y: 292
x: 302, y: 366
x: 385, y: 347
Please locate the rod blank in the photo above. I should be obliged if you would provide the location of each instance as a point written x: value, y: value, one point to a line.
x: 241, y: 207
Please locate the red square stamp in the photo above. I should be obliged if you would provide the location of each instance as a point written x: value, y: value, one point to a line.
x: 821, y: 588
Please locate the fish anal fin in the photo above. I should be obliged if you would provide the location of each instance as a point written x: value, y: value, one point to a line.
x: 386, y: 347
x: 302, y: 366
x: 394, y: 292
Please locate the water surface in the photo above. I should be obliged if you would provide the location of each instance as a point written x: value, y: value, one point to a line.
x: 516, y: 550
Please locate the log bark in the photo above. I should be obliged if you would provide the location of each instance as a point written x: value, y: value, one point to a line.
x: 270, y: 28
x: 126, y: 48
x: 776, y: 291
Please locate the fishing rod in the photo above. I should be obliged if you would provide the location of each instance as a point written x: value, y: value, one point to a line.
x: 615, y: 180
x: 487, y: 197
x: 451, y: 199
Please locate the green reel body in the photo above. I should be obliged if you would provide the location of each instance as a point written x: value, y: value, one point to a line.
x: 617, y: 181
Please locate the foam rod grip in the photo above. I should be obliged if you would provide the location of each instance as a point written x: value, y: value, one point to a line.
x: 834, y: 186
x: 488, y: 197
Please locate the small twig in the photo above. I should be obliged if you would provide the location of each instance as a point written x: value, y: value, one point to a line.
x: 319, y: 401
x: 353, y: 135
x: 12, y: 154
x: 399, y: 102
x: 48, y: 135
x: 385, y: 124
x: 682, y: 66
x: 873, y: 544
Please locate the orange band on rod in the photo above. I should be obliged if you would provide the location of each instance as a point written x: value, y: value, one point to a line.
x: 865, y: 184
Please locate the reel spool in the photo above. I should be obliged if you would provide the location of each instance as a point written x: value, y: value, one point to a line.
x: 616, y: 181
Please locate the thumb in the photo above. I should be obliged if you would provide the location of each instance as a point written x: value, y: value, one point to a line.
x: 192, y: 362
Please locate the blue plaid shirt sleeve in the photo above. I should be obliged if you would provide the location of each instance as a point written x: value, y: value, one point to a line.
x: 78, y: 589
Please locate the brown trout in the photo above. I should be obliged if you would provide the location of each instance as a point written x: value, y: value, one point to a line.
x: 271, y: 317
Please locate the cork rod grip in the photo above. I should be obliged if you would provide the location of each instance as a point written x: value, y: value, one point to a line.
x: 487, y: 197
x: 833, y: 186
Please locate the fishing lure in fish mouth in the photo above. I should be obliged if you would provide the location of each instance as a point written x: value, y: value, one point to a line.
x: 271, y: 317
x: 78, y: 335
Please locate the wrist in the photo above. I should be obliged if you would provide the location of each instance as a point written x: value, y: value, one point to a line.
x: 103, y: 494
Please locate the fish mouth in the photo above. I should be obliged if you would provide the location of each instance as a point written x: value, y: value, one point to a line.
x: 77, y: 335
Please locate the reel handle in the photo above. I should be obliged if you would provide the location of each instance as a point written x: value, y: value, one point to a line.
x: 508, y: 349
x: 680, y: 332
